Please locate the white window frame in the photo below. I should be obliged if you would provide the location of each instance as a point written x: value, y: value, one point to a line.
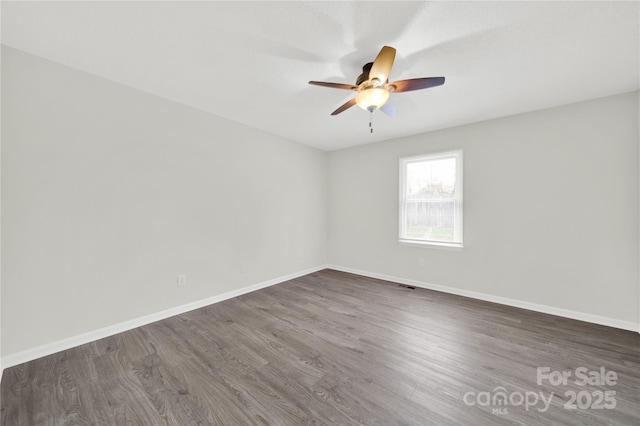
x: 458, y: 207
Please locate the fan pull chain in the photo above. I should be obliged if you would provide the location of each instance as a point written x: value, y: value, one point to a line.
x: 371, y: 120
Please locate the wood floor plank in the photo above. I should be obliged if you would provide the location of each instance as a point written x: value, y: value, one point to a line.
x: 329, y: 348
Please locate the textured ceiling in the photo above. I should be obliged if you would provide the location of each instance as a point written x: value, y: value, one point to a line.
x: 250, y: 61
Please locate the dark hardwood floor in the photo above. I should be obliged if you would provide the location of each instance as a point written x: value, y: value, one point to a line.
x: 332, y: 348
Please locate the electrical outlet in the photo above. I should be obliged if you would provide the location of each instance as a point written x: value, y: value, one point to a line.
x: 182, y: 280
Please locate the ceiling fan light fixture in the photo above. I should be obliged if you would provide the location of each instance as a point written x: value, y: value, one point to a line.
x: 372, y: 86
x: 371, y: 99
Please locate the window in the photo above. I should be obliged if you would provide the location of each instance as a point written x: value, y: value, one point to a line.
x: 431, y: 199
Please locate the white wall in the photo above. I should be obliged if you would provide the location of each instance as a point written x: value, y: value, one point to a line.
x: 1, y: 367
x: 109, y: 193
x: 550, y: 209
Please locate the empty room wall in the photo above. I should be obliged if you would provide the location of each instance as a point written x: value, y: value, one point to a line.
x: 550, y: 210
x: 108, y: 194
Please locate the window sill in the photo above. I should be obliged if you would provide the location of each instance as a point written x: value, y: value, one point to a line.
x: 431, y: 244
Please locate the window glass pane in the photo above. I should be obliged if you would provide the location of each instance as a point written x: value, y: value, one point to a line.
x: 431, y: 203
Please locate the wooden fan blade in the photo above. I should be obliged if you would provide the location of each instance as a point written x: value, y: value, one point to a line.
x: 416, y: 84
x: 334, y: 85
x: 382, y: 65
x: 344, y: 107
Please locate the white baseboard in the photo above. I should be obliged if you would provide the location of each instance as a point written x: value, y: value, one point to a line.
x: 51, y: 348
x: 581, y: 316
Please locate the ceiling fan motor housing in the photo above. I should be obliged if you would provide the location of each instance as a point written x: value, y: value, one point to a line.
x: 365, y: 74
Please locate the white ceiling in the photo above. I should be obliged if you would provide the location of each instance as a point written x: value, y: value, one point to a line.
x: 250, y: 61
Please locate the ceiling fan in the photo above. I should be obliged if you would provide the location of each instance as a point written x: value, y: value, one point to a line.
x: 373, y: 87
